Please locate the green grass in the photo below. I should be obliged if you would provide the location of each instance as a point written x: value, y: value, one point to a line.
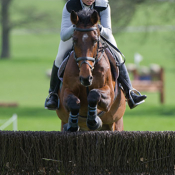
x: 150, y: 118
x: 32, y: 118
x: 143, y: 118
x: 23, y: 77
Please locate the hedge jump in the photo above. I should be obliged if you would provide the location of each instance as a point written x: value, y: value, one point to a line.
x: 87, y: 153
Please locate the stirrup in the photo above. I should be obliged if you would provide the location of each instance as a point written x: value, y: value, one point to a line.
x: 131, y: 102
x: 58, y: 105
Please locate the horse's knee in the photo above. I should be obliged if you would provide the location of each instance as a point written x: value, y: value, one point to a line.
x: 73, y: 104
x: 93, y: 97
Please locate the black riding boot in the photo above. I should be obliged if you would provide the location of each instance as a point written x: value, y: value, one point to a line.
x: 52, y: 101
x: 133, y: 96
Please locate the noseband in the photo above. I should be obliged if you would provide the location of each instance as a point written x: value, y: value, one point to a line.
x: 85, y: 59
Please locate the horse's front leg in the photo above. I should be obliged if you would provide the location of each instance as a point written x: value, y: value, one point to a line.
x: 102, y: 98
x: 72, y: 105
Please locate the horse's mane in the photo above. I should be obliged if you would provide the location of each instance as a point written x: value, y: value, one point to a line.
x: 84, y: 16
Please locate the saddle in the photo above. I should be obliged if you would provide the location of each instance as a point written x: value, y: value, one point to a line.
x: 63, y: 65
x: 113, y: 64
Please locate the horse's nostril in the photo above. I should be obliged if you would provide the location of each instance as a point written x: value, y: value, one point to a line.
x: 90, y: 78
x: 86, y: 81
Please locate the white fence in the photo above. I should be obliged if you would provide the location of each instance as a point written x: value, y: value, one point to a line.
x: 13, y: 120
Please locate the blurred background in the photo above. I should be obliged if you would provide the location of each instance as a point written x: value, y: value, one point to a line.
x: 30, y: 35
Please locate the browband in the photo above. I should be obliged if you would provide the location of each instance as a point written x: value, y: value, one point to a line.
x: 85, y: 30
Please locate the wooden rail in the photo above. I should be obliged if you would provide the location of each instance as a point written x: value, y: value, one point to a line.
x: 155, y: 84
x: 11, y: 104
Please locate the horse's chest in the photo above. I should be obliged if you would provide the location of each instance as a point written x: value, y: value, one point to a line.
x: 101, y: 73
x: 99, y: 80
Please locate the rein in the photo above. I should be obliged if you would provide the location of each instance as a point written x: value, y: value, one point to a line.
x: 85, y: 59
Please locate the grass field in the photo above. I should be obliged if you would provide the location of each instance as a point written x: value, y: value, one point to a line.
x: 23, y: 77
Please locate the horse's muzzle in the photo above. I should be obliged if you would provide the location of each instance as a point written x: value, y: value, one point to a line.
x: 86, y: 81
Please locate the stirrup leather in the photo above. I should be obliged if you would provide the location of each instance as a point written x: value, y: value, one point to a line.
x: 130, y: 97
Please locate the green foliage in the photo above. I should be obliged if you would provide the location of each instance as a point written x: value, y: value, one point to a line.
x: 122, y: 12
x: 36, y: 14
x: 154, y: 13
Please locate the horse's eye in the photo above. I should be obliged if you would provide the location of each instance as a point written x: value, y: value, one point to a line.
x: 75, y: 39
x: 95, y: 41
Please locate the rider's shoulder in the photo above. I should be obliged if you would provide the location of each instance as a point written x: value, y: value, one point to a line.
x: 101, y: 3
x: 73, y: 5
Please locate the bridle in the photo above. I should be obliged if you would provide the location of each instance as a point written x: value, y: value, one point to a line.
x: 86, y: 59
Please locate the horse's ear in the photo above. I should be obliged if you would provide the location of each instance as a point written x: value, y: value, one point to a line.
x: 94, y: 17
x: 74, y: 17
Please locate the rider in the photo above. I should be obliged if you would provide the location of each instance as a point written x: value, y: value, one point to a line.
x: 67, y: 28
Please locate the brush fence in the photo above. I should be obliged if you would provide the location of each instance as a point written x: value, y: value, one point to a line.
x: 87, y: 153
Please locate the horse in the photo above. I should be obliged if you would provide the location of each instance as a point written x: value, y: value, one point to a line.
x: 90, y: 96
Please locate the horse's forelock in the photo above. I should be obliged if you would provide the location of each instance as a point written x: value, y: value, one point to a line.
x: 84, y: 16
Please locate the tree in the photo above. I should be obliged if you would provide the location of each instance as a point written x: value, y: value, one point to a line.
x: 122, y: 12
x: 5, y: 28
x: 28, y: 15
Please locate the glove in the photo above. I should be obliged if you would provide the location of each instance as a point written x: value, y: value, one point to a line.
x: 100, y: 27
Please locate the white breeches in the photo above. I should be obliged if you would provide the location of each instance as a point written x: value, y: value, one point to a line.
x: 65, y: 46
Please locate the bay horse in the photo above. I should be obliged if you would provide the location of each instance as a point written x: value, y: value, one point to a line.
x: 87, y: 98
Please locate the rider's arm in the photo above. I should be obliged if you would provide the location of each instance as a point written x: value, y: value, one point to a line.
x: 67, y: 28
x: 106, y: 31
x: 105, y: 19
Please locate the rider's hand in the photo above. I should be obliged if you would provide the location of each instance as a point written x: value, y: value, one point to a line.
x: 100, y: 27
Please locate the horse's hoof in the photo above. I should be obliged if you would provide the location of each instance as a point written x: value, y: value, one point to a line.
x: 94, y: 124
x: 65, y: 127
x: 70, y: 129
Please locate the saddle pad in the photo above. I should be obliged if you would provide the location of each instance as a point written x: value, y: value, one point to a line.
x: 114, y: 69
x: 62, y: 67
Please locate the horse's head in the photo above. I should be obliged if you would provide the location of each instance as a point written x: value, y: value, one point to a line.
x: 85, y: 43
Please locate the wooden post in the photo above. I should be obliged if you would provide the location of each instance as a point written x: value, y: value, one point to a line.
x: 162, y: 99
